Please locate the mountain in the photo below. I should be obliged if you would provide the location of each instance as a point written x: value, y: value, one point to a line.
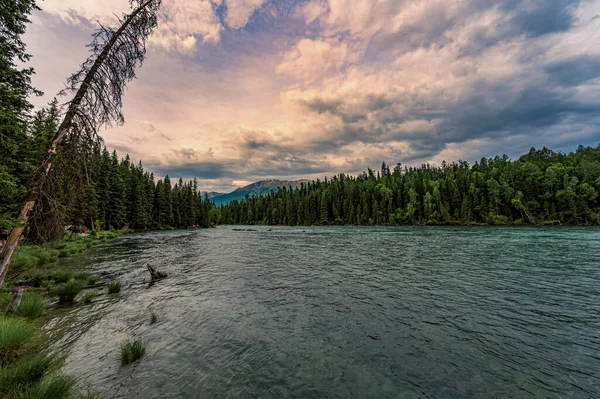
x: 211, y: 194
x: 259, y: 188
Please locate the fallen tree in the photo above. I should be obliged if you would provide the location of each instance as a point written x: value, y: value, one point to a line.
x: 97, y: 90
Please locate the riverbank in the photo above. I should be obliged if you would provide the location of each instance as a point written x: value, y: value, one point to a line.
x: 25, y: 372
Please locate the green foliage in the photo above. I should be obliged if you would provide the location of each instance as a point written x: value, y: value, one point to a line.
x: 73, y: 248
x: 540, y: 187
x: 14, y: 333
x: 69, y: 290
x: 153, y: 318
x: 27, y: 256
x: 88, y: 297
x: 91, y: 280
x: 59, y: 386
x: 132, y: 351
x: 62, y: 275
x: 114, y: 287
x: 22, y: 374
x: 46, y: 283
x: 4, y: 300
x: 32, y: 306
x: 87, y: 277
x: 16, y: 161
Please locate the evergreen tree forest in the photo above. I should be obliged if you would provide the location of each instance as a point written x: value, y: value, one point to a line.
x: 91, y: 187
x: 87, y: 185
x: 541, y: 187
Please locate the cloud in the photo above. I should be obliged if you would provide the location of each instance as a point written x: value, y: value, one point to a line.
x: 239, y: 11
x: 241, y: 90
x: 183, y: 24
x: 310, y: 60
x: 452, y: 73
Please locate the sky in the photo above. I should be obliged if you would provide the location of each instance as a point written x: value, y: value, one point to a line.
x: 235, y: 91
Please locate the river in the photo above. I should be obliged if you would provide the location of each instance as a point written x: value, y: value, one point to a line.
x: 341, y: 312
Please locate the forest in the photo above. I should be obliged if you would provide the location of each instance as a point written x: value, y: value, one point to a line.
x: 91, y: 187
x: 541, y: 187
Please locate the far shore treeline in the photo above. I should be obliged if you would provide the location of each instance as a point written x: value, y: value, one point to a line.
x: 541, y: 187
x: 91, y: 187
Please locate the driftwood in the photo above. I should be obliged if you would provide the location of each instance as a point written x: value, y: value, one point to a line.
x: 156, y: 274
x: 15, y: 302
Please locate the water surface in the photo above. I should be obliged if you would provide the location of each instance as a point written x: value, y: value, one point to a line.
x: 339, y: 312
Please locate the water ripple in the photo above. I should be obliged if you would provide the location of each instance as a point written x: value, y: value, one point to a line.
x: 344, y: 312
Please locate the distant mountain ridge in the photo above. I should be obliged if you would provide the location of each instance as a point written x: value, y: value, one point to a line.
x: 211, y: 194
x: 259, y: 188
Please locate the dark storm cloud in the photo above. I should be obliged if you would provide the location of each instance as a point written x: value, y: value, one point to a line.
x: 271, y: 160
x: 199, y: 169
x: 574, y: 71
x: 541, y: 17
x: 529, y: 18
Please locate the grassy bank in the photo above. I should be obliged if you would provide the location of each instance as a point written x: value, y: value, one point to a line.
x: 38, y: 265
x: 25, y: 372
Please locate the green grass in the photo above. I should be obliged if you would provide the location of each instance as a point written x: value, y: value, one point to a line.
x: 90, y: 279
x: 153, y: 318
x: 62, y: 276
x: 5, y: 298
x: 132, y: 351
x: 23, y: 374
x: 114, y: 287
x: 46, y: 283
x: 32, y: 306
x: 27, y: 256
x: 69, y: 290
x: 88, y: 297
x: 72, y: 248
x: 14, y: 333
x: 93, y: 279
x: 27, y: 259
x: 59, y: 386
x: 109, y: 234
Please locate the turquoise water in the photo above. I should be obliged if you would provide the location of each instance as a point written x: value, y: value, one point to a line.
x: 383, y: 312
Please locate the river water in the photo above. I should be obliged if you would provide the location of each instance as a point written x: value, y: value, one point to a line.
x: 342, y: 312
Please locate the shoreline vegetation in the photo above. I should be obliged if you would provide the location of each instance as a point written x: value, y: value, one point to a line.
x: 542, y: 187
x: 24, y: 371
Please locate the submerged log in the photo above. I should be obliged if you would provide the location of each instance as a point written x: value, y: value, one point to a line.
x: 156, y: 274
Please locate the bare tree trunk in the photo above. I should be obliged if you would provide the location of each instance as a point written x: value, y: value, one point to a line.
x: 37, y: 183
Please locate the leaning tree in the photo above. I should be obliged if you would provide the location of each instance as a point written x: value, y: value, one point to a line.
x: 97, y: 98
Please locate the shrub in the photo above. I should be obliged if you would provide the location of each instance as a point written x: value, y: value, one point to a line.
x: 62, y: 276
x: 89, y: 297
x: 153, y: 318
x: 20, y: 375
x: 114, y: 287
x: 14, y: 333
x: 84, y: 276
x: 90, y: 279
x: 132, y: 351
x: 46, y: 283
x: 56, y: 387
x: 32, y: 306
x: 69, y: 290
